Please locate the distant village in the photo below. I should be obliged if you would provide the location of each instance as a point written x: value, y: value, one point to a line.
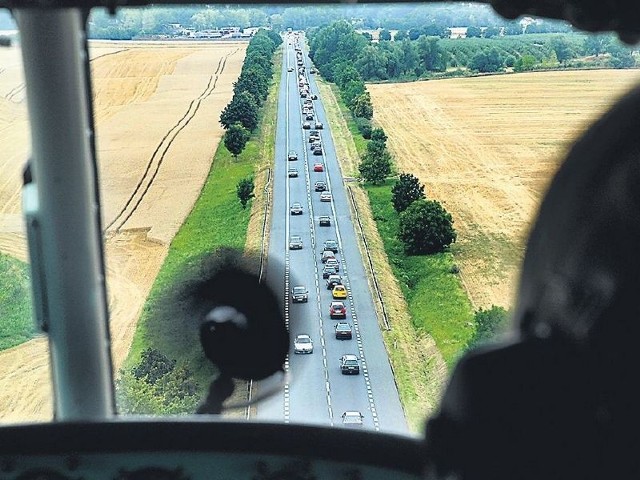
x: 177, y: 31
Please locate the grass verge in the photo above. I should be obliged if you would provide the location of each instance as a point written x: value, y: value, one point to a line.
x: 16, y: 322
x: 437, y: 302
x: 217, y: 220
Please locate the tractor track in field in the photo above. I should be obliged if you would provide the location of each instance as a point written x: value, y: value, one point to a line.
x: 155, y: 161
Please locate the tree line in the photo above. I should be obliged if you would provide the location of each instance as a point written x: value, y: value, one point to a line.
x: 132, y: 22
x: 241, y: 116
x: 411, y: 56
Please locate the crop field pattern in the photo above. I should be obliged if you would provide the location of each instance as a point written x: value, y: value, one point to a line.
x: 157, y: 108
x: 486, y: 148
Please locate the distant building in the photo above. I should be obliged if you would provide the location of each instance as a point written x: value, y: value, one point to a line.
x: 458, y: 32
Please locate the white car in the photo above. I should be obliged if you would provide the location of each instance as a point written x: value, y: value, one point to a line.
x: 325, y: 196
x: 303, y: 344
x: 352, y: 419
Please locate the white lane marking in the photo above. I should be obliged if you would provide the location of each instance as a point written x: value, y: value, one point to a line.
x: 286, y: 399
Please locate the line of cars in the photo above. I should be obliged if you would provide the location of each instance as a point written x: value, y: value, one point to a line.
x: 303, y: 343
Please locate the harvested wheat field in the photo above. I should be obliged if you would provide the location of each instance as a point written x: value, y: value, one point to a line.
x: 487, y: 148
x: 157, y: 107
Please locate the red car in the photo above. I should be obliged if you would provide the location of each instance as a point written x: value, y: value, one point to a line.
x: 337, y: 310
x: 318, y: 167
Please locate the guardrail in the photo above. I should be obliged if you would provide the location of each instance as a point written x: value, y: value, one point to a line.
x: 267, y: 196
x: 385, y: 318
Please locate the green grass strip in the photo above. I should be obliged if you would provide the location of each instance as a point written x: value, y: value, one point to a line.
x: 217, y: 220
x: 437, y: 302
x: 16, y: 323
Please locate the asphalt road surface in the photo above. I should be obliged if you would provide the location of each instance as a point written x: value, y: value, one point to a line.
x: 317, y: 392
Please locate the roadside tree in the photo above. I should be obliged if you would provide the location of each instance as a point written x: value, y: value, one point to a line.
x: 244, y: 189
x: 375, y: 168
x: 236, y: 138
x: 241, y: 109
x: 375, y: 148
x: 378, y: 135
x: 407, y: 190
x: 361, y: 106
x: 426, y: 227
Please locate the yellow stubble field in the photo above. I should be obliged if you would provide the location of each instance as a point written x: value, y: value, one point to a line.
x: 486, y: 148
x: 157, y: 107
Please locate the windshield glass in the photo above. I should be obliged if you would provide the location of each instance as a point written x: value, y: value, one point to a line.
x: 226, y: 128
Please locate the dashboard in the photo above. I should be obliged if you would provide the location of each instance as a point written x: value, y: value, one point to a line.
x: 146, y: 449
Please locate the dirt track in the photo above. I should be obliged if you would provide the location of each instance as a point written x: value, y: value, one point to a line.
x: 486, y: 148
x: 157, y: 109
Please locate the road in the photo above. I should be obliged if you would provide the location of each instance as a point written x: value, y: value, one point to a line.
x: 317, y: 392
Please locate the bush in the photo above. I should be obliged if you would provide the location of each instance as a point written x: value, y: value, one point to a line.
x: 489, y: 324
x: 425, y: 228
x: 364, y: 127
x: 156, y: 386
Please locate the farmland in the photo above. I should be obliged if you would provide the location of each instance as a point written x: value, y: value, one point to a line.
x: 157, y: 108
x: 487, y: 148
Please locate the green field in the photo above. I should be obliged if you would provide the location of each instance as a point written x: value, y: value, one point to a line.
x: 16, y: 323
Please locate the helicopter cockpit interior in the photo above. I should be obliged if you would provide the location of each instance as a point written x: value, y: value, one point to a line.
x: 557, y: 399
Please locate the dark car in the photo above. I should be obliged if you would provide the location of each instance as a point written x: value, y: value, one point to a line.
x: 296, y: 209
x: 295, y: 242
x: 333, y: 280
x: 319, y: 126
x: 299, y: 294
x: 317, y: 151
x: 314, y: 96
x: 292, y: 172
x: 331, y: 245
x: 343, y: 331
x: 306, y: 125
x: 324, y: 220
x: 337, y: 310
x: 320, y: 186
x: 329, y: 270
x: 309, y: 116
x: 349, y: 365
